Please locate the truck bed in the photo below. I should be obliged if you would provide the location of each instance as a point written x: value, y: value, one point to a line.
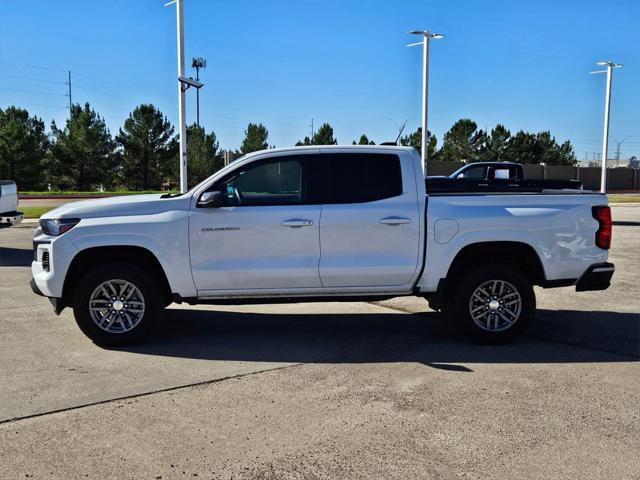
x: 450, y: 186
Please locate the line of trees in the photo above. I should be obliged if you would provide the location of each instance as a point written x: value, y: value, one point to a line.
x: 83, y: 155
x: 464, y: 142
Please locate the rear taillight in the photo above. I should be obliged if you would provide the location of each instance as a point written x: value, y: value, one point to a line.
x: 603, y: 234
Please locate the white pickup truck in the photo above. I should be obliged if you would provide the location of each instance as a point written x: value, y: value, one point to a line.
x: 319, y: 224
x: 9, y: 204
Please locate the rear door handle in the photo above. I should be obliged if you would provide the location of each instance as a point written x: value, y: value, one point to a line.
x: 394, y: 220
x: 297, y: 223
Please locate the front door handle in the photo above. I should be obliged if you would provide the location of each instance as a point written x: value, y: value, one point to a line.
x: 297, y: 223
x: 394, y: 220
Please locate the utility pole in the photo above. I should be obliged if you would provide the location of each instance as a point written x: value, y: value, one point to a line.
x: 426, y: 38
x: 198, y: 63
x: 181, y: 96
x: 312, y: 132
x: 607, y: 108
x: 619, y: 144
x: 69, y: 94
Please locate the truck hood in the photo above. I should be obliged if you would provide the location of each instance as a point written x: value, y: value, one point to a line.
x: 126, y: 205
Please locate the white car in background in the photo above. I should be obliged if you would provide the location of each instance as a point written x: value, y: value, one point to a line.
x: 9, y: 214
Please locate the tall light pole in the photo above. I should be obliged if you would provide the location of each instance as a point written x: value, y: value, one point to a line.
x: 607, y: 107
x: 426, y: 38
x: 181, y: 96
x: 198, y: 63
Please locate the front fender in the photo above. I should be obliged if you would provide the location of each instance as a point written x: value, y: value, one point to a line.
x: 164, y: 234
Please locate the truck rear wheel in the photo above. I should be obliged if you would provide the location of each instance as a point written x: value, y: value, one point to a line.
x: 495, y: 304
x: 117, y: 304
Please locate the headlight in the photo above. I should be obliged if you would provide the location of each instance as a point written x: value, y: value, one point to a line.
x: 57, y: 226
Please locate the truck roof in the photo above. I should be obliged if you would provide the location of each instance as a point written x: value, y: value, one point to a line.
x: 494, y: 163
x: 369, y: 148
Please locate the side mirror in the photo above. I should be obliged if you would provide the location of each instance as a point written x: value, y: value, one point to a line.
x: 211, y: 200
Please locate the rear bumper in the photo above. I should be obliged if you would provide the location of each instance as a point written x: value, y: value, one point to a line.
x: 10, y: 218
x: 597, y: 277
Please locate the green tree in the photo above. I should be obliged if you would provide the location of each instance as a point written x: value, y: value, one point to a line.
x: 415, y: 140
x: 463, y: 142
x: 149, y: 149
x: 205, y: 156
x: 364, y: 140
x: 306, y: 141
x: 82, y: 154
x: 497, y: 148
x: 552, y: 153
x: 23, y: 148
x: 324, y: 136
x: 538, y: 148
x: 522, y: 148
x: 255, y: 138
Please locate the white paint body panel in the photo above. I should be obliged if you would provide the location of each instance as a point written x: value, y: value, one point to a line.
x: 8, y: 197
x: 560, y: 228
x: 358, y: 250
x: 346, y: 250
x: 247, y: 248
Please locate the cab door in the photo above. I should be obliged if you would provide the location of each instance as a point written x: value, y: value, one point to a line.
x: 265, y: 235
x: 370, y: 226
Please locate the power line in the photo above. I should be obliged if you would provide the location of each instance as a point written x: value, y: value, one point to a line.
x: 39, y: 67
x: 33, y: 91
x: 20, y: 77
x: 43, y: 105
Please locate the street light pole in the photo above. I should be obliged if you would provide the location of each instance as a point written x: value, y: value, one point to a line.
x: 181, y: 97
x: 426, y: 38
x: 607, y: 108
x: 198, y: 63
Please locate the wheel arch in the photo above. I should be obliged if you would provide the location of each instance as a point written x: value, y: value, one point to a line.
x: 518, y: 255
x: 92, y: 257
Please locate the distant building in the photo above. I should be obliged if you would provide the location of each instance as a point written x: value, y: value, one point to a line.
x: 631, y: 162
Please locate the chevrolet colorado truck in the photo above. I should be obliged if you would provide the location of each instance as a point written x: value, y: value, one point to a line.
x: 319, y: 224
x: 9, y: 214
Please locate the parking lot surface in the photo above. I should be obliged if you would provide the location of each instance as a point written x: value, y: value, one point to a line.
x: 328, y: 390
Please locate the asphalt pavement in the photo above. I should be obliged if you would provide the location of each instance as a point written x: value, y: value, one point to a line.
x: 353, y: 390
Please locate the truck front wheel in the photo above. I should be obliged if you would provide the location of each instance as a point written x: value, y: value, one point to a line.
x: 117, y: 304
x: 494, y: 303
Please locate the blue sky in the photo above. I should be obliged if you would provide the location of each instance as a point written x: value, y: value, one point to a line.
x: 522, y: 63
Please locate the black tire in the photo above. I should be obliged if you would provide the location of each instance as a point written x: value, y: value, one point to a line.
x: 152, y: 300
x: 492, y: 323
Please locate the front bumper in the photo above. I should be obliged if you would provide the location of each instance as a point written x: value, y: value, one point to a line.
x: 56, y: 302
x: 597, y: 277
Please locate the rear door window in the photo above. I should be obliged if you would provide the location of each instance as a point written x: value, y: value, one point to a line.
x: 505, y: 173
x: 360, y: 177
